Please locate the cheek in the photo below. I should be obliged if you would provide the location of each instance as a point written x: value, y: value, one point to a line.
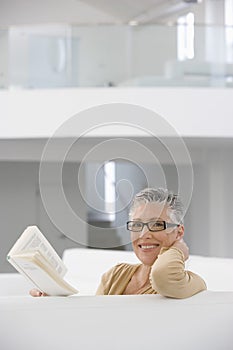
x: 134, y: 246
x: 168, y: 239
x: 134, y: 237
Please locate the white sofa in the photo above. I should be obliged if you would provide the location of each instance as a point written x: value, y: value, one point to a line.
x: 85, y: 267
x: 86, y: 322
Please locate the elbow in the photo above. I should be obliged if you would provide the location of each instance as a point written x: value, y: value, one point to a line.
x: 172, y: 285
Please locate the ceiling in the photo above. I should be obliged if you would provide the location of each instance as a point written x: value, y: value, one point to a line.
x: 142, y: 11
x: 24, y: 12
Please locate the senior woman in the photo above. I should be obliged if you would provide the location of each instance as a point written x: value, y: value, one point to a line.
x: 157, y: 232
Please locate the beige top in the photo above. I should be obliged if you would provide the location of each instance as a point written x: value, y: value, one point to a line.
x: 168, y: 277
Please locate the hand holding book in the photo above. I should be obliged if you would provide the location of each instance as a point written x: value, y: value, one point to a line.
x: 34, y: 257
x: 37, y: 293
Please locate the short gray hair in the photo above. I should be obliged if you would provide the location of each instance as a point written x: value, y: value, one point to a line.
x: 160, y: 195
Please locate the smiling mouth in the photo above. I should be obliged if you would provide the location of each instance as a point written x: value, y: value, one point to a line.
x: 151, y: 246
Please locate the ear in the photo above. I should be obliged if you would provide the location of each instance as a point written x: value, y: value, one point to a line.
x: 180, y: 232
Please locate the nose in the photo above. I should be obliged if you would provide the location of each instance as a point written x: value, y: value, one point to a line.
x: 145, y: 232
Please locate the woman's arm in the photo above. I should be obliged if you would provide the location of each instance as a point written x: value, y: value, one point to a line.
x: 169, y: 277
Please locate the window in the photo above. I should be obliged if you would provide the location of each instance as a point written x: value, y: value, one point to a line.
x: 109, y: 189
x: 185, y: 37
x: 229, y: 30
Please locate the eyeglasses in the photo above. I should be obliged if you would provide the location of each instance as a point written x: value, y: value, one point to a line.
x: 154, y: 226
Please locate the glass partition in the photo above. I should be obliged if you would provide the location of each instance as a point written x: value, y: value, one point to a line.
x: 116, y: 56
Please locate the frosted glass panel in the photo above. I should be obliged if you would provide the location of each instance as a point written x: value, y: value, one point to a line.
x: 53, y: 61
x: 42, y: 60
x: 105, y: 55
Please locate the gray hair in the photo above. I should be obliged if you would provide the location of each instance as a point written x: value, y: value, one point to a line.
x: 160, y: 195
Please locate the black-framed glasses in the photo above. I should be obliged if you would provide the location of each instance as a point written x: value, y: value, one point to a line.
x: 153, y: 226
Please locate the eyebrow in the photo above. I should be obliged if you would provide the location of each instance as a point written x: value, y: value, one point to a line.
x: 151, y: 219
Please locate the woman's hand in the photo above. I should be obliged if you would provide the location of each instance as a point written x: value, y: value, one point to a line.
x: 180, y: 244
x: 37, y: 293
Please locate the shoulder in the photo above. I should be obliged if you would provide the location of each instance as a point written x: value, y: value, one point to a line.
x: 121, y: 268
x: 115, y: 279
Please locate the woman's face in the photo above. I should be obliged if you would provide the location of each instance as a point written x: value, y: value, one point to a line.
x: 147, y: 244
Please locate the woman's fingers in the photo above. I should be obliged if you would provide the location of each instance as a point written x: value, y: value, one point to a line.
x: 37, y: 293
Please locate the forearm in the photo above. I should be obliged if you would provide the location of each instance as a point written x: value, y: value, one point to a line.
x: 169, y: 277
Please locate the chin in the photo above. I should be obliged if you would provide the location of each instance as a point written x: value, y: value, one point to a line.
x: 146, y: 257
x: 147, y: 261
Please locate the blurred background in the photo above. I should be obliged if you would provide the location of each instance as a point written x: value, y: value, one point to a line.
x: 58, y: 58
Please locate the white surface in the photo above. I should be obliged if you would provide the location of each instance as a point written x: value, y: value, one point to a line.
x: 14, y: 284
x: 32, y: 12
x: 117, y: 322
x: 38, y: 113
x: 201, y: 322
x: 217, y: 272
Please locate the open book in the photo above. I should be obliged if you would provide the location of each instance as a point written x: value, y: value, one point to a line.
x: 34, y: 257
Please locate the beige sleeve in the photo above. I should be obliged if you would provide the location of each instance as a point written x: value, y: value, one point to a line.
x: 100, y: 289
x: 169, y: 277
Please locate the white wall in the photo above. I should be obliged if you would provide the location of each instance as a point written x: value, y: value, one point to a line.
x: 21, y: 205
x: 201, y: 112
x: 23, y: 12
x: 3, y: 59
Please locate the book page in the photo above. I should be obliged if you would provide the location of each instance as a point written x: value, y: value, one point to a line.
x: 42, y: 277
x: 33, y: 240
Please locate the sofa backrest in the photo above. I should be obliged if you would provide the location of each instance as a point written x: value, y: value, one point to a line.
x: 86, y: 266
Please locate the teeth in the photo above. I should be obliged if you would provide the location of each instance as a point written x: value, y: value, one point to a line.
x: 149, y: 246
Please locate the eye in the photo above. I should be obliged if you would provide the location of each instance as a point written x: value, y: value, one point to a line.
x: 156, y: 225
x: 136, y: 224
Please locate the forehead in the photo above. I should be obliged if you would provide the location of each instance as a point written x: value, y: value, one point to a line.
x: 147, y: 211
